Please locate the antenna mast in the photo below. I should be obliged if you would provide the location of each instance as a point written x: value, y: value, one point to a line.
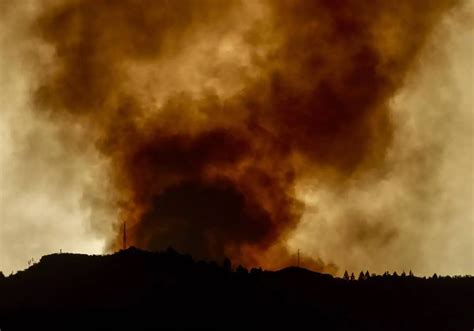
x: 124, y: 235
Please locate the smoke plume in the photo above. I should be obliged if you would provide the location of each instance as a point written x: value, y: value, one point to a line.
x: 213, y: 172
x: 209, y: 113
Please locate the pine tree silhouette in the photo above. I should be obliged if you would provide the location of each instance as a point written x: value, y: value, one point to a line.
x: 346, y: 275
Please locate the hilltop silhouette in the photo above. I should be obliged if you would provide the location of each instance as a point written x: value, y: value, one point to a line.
x: 135, y: 289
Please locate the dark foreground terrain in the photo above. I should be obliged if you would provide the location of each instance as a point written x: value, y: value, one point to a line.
x: 135, y: 289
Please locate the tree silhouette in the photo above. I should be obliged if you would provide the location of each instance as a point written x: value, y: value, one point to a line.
x: 346, y: 275
x: 352, y: 276
x: 256, y: 271
x: 241, y: 270
x: 367, y: 275
x: 227, y: 265
x: 361, y: 276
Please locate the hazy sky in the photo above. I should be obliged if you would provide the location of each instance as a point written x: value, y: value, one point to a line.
x: 412, y: 211
x: 427, y: 189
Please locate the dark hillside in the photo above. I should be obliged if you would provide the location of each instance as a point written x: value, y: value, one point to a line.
x: 134, y: 289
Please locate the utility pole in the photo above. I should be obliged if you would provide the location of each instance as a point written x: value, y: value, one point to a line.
x: 124, y: 235
x: 298, y: 257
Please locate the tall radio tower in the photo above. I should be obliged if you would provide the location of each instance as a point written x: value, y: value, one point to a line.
x: 124, y: 235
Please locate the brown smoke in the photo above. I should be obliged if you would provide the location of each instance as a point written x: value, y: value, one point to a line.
x: 209, y: 111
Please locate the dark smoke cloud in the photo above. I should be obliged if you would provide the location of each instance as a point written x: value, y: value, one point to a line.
x: 213, y: 173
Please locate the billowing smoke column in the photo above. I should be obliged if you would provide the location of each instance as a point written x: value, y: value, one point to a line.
x: 209, y: 111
